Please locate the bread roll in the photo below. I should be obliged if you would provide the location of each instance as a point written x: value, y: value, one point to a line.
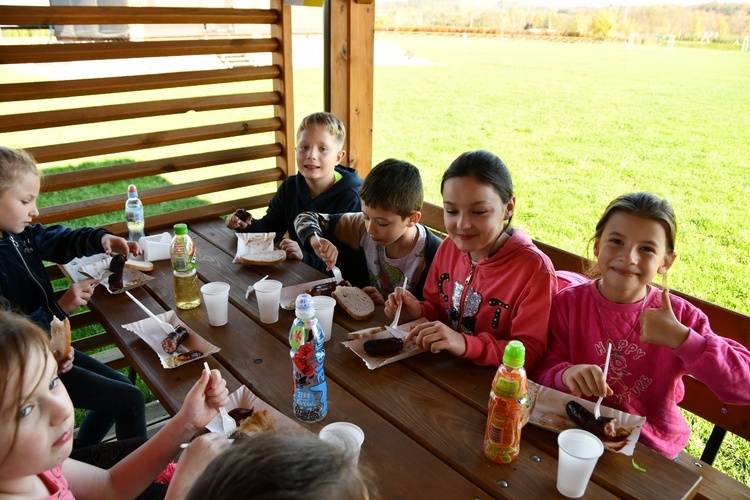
x: 60, y: 338
x: 269, y: 258
x: 354, y: 301
x: 139, y: 265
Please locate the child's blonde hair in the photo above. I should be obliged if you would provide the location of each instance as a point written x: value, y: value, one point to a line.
x: 14, y: 165
x: 19, y: 339
x: 328, y: 121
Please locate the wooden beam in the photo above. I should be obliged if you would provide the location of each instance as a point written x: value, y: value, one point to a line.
x: 94, y: 86
x: 133, y: 15
x: 352, y: 73
x: 282, y: 31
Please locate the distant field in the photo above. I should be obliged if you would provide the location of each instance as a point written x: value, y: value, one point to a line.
x: 578, y: 125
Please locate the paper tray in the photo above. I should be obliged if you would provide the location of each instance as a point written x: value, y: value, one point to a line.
x: 244, y: 398
x: 151, y: 333
x: 97, y: 267
x: 288, y: 294
x: 549, y: 413
x: 410, y: 347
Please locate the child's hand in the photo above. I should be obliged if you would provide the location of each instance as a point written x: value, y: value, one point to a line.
x: 234, y: 222
x: 437, y: 337
x: 64, y: 365
x: 77, y: 295
x: 660, y: 326
x: 194, y: 460
x: 292, y: 249
x: 374, y: 294
x: 112, y: 243
x: 325, y: 250
x: 202, y: 402
x: 411, y: 309
x: 587, y: 380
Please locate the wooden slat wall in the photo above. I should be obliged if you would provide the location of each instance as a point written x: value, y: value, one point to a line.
x: 225, y: 121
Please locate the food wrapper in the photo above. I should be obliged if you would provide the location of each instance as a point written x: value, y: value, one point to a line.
x: 97, y: 267
x: 410, y: 346
x: 252, y: 243
x: 151, y: 333
x: 549, y: 412
x: 273, y: 420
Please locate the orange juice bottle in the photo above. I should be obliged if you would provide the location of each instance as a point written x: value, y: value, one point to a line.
x: 502, y: 436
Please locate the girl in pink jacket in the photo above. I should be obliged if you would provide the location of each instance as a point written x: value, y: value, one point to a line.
x: 656, y: 338
x: 488, y: 283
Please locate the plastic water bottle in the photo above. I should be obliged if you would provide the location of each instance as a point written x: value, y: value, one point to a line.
x: 134, y: 215
x: 502, y: 436
x: 184, y: 259
x: 308, y: 355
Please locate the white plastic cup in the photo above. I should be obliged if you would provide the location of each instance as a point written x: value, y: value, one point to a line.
x: 579, y: 452
x: 216, y: 299
x: 324, y: 307
x: 268, y: 293
x: 345, y: 436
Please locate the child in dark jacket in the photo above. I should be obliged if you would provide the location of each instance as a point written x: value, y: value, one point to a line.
x: 25, y: 288
x: 322, y: 185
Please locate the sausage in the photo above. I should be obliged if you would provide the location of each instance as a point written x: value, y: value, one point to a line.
x: 187, y: 356
x: 604, y: 427
x: 242, y: 214
x: 240, y: 414
x: 116, y: 265
x: 174, y: 339
x: 326, y: 288
x: 382, y: 347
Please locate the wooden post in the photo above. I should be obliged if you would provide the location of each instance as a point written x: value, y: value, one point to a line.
x: 351, y: 77
x: 282, y: 31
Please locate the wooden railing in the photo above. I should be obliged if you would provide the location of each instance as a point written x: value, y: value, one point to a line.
x: 133, y: 128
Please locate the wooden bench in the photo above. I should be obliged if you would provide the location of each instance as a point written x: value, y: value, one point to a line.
x: 699, y: 399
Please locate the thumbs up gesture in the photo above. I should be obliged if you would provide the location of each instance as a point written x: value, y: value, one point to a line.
x: 660, y: 326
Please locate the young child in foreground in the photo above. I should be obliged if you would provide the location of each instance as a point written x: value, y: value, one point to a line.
x: 278, y: 466
x: 26, y: 288
x: 322, y: 185
x: 387, y: 230
x: 37, y: 420
x: 656, y: 337
x: 489, y: 283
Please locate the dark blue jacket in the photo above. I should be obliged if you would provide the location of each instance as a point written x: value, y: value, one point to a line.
x: 24, y: 283
x: 293, y: 197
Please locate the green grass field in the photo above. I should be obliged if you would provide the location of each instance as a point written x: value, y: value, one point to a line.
x: 578, y: 125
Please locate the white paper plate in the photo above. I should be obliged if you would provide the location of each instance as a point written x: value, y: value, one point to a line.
x: 549, y: 413
x: 97, y: 267
x: 244, y: 398
x: 288, y: 294
x: 150, y: 331
x: 410, y: 347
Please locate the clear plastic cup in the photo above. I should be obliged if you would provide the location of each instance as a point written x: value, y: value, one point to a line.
x: 216, y: 299
x: 324, y: 307
x: 268, y: 292
x: 345, y: 436
x: 579, y: 452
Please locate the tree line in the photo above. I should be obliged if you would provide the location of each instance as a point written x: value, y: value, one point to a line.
x: 712, y: 22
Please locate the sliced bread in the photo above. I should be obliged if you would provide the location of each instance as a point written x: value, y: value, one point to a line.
x: 139, y: 265
x: 367, y: 332
x: 269, y: 258
x: 354, y: 301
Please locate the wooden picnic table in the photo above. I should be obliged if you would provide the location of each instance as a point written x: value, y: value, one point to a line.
x: 423, y: 417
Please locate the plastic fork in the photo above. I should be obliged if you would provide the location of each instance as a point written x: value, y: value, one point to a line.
x: 227, y: 423
x: 163, y: 324
x: 335, y: 270
x: 597, y: 414
x: 394, y: 323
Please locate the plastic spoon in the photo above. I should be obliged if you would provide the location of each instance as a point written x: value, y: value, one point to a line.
x: 163, y: 324
x: 227, y: 423
x: 606, y: 369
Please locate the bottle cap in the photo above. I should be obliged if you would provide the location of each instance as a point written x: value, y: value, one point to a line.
x: 514, y: 355
x: 180, y: 228
x: 132, y: 191
x: 303, y: 306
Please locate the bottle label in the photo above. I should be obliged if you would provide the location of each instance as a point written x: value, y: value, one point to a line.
x: 505, y: 388
x: 308, y: 356
x: 183, y: 255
